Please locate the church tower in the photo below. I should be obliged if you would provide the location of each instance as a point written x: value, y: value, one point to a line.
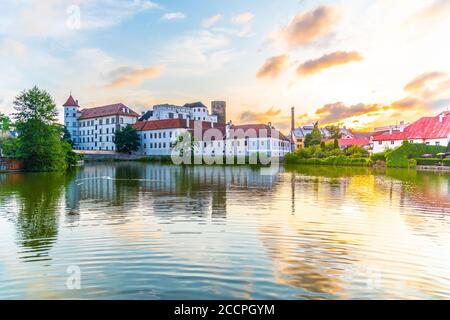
x: 71, y: 115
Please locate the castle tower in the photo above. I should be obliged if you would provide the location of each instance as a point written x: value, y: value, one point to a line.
x: 219, y: 108
x: 71, y: 115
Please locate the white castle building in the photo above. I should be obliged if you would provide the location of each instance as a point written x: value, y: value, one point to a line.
x: 159, y: 129
x: 194, y: 111
x: 94, y: 128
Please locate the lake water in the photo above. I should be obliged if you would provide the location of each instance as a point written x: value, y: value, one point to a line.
x: 150, y: 231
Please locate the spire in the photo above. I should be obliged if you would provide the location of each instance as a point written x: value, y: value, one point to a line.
x: 71, y: 102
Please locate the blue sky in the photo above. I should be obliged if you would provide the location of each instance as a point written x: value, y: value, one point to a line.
x: 343, y: 61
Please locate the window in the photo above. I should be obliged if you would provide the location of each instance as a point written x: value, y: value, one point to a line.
x: 113, y: 120
x: 392, y: 142
x: 145, y: 146
x: 100, y: 122
x: 437, y: 143
x: 145, y: 136
x: 380, y: 142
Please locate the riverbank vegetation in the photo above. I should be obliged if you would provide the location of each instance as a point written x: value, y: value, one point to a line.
x: 408, y: 154
x: 329, y: 154
x: 42, y: 143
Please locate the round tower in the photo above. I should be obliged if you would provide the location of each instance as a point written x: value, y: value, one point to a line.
x: 71, y: 115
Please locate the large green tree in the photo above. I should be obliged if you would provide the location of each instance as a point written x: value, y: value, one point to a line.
x: 127, y: 140
x: 5, y: 124
x: 40, y: 142
x: 315, y: 137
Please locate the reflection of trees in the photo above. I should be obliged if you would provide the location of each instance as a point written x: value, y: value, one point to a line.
x: 38, y: 197
x: 421, y: 189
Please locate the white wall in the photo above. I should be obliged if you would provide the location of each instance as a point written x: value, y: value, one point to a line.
x: 387, y: 144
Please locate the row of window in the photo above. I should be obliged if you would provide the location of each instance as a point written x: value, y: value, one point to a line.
x: 410, y: 141
x: 91, y: 123
x: 100, y: 131
x: 100, y: 139
x: 159, y: 145
x: 160, y: 135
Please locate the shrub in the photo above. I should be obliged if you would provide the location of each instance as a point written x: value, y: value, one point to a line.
x: 400, y: 156
x: 381, y: 156
x: 433, y: 162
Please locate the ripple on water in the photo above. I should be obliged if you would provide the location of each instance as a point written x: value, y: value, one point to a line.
x: 225, y: 233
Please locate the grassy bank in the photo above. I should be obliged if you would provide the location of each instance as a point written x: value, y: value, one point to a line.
x: 329, y: 161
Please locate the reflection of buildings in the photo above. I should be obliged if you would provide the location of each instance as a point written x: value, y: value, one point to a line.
x: 164, y: 188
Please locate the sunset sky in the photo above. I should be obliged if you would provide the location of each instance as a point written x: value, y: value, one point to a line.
x: 361, y: 63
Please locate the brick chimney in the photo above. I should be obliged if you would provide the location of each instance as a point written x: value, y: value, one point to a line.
x: 292, y: 119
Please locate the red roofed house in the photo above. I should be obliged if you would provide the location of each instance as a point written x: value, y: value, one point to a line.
x: 428, y: 130
x: 94, y: 128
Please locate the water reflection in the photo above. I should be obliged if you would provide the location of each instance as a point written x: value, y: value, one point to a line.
x: 160, y: 231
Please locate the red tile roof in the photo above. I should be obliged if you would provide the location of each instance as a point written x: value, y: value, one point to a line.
x: 171, y: 124
x: 109, y: 110
x: 354, y: 142
x: 181, y: 123
x: 71, y: 102
x: 424, y: 128
x: 262, y: 130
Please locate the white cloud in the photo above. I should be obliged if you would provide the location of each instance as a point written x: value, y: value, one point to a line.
x: 208, y: 23
x: 200, y: 52
x: 242, y: 18
x: 173, y: 16
x: 52, y: 18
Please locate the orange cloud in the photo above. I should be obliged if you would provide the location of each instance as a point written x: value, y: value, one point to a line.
x: 426, y: 92
x: 273, y: 66
x: 310, y: 25
x: 437, y: 9
x: 272, y: 115
x: 328, y: 61
x: 129, y: 76
x: 420, y: 83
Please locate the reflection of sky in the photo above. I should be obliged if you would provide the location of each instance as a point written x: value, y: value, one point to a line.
x: 231, y: 233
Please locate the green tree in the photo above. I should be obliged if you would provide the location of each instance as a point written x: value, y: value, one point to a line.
x: 5, y: 124
x: 335, y: 144
x: 335, y: 132
x: 313, y: 138
x: 67, y: 136
x: 127, y: 140
x: 40, y: 143
x: 356, y: 151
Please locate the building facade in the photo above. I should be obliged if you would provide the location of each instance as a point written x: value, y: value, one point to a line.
x: 159, y: 137
x: 94, y: 128
x: 428, y: 130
